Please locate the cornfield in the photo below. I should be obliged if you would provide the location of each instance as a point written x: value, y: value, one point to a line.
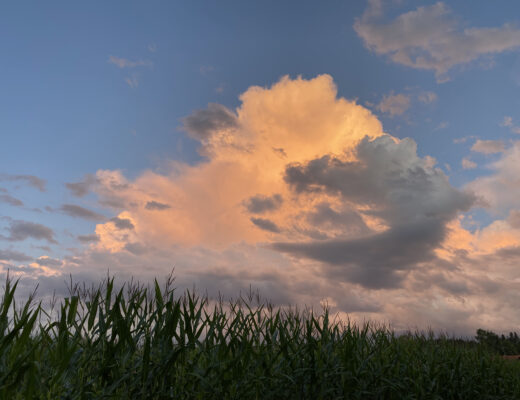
x: 140, y: 342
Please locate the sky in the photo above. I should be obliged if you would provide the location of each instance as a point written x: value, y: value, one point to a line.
x: 364, y: 155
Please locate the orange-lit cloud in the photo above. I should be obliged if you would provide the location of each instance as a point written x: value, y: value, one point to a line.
x: 302, y: 195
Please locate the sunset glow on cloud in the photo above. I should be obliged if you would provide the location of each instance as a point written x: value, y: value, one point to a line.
x: 310, y: 186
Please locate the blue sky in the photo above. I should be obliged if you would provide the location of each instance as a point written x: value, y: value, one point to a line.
x: 102, y: 93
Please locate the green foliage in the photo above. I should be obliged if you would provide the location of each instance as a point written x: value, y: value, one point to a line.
x: 141, y: 343
x: 504, y: 345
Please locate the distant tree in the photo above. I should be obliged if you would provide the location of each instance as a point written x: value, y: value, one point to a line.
x: 504, y: 345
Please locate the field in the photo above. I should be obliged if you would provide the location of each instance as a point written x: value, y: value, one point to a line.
x: 154, y: 343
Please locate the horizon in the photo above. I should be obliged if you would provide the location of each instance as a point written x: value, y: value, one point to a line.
x: 365, y: 154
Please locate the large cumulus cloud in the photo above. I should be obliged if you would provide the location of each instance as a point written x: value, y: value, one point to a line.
x: 301, y: 194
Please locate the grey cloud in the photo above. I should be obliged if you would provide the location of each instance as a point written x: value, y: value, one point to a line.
x: 510, y: 253
x: 377, y: 261
x: 14, y: 256
x: 220, y: 283
x: 260, y: 204
x: 48, y: 262
x: 80, y: 189
x: 265, y: 224
x: 88, y: 238
x: 389, y: 177
x: 350, y: 220
x: 488, y: 146
x: 155, y: 205
x: 136, y: 248
x: 8, y: 199
x: 21, y: 230
x: 113, y: 202
x: 431, y: 38
x: 514, y: 219
x: 31, y: 180
x: 203, y: 123
x: 122, y: 223
x: 81, y: 212
x: 280, y: 151
x: 452, y: 283
x: 413, y: 199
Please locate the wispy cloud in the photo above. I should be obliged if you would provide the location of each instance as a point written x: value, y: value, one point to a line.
x: 76, y: 211
x: 22, y: 230
x: 427, y: 97
x: 444, y: 125
x: 508, y: 122
x: 488, y: 146
x: 206, y: 69
x: 394, y: 104
x: 8, y: 199
x: 91, y: 238
x: 431, y: 38
x: 132, y: 81
x: 30, y: 180
x: 46, y: 261
x: 220, y: 88
x: 468, y: 164
x: 126, y: 63
x: 14, y: 256
x: 81, y: 188
x: 156, y: 206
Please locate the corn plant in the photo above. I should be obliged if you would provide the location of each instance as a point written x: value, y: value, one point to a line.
x: 137, y: 342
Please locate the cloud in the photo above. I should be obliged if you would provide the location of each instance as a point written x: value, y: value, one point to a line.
x: 202, y: 124
x: 122, y: 223
x: 21, y: 230
x: 488, y: 146
x: 365, y: 223
x: 260, y: 204
x: 92, y: 238
x: 14, y: 255
x: 220, y: 88
x: 427, y: 97
x: 125, y: 63
x: 508, y: 122
x: 413, y: 200
x: 205, y: 69
x: 81, y: 189
x: 265, y: 224
x: 46, y: 261
x: 81, y: 212
x: 513, y: 219
x: 132, y: 81
x: 155, y: 205
x: 468, y: 164
x: 431, y: 38
x: 30, y: 180
x: 501, y: 189
x: 349, y: 221
x: 8, y: 199
x: 443, y: 125
x: 394, y: 104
